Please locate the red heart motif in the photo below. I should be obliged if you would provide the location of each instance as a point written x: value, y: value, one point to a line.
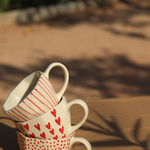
x: 64, y: 136
x: 37, y: 126
x: 42, y: 135
x: 26, y: 126
x: 53, y: 113
x: 52, y: 131
x: 32, y: 135
x: 57, y: 121
x: 56, y: 137
x: 48, y: 126
x: 61, y: 129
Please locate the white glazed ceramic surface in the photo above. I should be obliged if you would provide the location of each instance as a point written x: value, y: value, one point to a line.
x: 28, y: 143
x: 34, y: 95
x: 55, y: 124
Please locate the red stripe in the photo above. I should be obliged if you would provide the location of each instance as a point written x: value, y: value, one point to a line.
x: 55, y: 98
x: 14, y: 117
x: 27, y: 111
x: 22, y: 114
x: 44, y: 97
x: 49, y: 86
x: 18, y: 115
x: 36, y: 105
x: 40, y: 101
x: 46, y: 82
x: 47, y: 93
x: 31, y: 108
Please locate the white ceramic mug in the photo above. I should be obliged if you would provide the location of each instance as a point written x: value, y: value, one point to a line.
x: 55, y: 124
x: 28, y: 143
x: 34, y: 95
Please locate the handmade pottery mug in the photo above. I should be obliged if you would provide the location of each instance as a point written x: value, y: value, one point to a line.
x: 34, y: 95
x: 29, y: 143
x: 54, y: 124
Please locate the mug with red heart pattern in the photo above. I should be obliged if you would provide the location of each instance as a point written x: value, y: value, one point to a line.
x: 28, y: 143
x: 34, y: 95
x: 54, y: 124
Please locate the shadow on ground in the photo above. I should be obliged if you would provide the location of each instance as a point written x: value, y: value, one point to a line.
x: 116, y: 132
x: 110, y: 76
x: 8, y: 136
x: 128, y: 13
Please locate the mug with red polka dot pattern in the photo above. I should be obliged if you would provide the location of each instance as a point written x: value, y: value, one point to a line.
x: 29, y: 143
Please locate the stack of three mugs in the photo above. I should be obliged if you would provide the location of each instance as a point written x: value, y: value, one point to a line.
x: 41, y: 115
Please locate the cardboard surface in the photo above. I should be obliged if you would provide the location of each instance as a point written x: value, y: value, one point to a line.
x: 112, y: 124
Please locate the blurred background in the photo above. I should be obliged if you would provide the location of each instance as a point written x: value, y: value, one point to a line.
x: 105, y: 45
x: 106, y: 49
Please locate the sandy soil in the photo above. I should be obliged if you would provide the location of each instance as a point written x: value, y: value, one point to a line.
x: 106, y: 51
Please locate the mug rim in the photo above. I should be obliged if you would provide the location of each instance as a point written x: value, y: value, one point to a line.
x: 52, y: 140
x: 63, y: 98
x: 8, y: 97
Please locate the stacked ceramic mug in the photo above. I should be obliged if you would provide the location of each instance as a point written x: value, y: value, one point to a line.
x: 41, y: 115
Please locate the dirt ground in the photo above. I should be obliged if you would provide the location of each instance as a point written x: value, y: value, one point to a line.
x: 106, y: 51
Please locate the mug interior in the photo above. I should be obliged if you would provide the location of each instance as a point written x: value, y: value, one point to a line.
x: 22, y: 90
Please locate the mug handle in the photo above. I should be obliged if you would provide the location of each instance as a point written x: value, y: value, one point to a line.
x: 86, y: 110
x: 81, y: 140
x: 66, y: 76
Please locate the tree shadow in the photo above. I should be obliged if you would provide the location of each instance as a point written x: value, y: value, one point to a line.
x: 122, y: 13
x: 109, y: 76
x: 8, y: 136
x: 115, y: 131
x: 137, y: 4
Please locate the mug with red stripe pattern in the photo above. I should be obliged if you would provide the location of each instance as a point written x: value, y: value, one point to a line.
x: 34, y: 95
x: 54, y: 124
x: 29, y: 143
